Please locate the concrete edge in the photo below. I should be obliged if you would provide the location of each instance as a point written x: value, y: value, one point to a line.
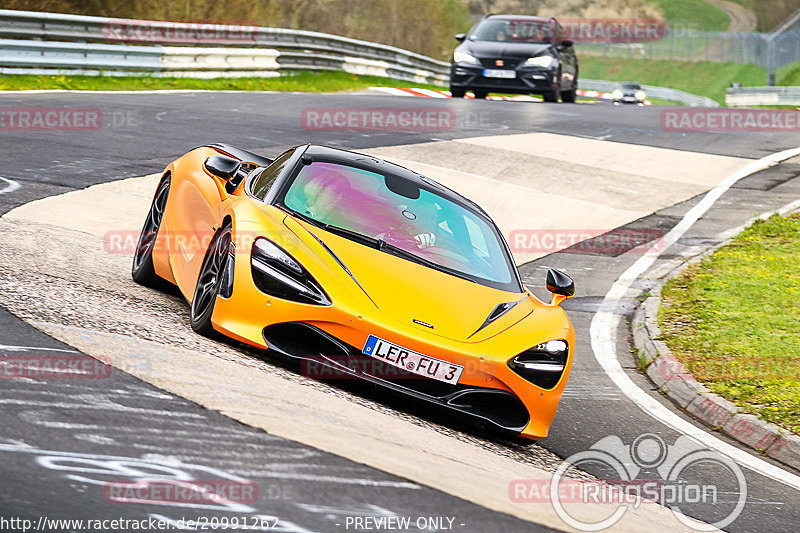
x: 675, y: 381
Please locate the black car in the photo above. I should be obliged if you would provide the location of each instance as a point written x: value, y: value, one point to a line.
x: 515, y: 54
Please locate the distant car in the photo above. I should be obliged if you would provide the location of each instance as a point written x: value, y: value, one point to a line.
x: 629, y: 93
x: 368, y: 269
x: 518, y: 55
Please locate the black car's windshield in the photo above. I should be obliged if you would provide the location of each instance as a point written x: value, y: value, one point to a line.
x: 631, y: 86
x: 397, y: 216
x: 520, y: 30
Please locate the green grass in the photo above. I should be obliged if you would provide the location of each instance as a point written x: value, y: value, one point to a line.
x: 695, y: 15
x: 702, y: 78
x: 789, y: 74
x: 302, y: 81
x: 733, y: 320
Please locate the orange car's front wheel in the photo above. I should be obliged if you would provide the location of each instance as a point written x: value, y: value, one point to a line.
x: 142, y: 270
x: 210, y: 280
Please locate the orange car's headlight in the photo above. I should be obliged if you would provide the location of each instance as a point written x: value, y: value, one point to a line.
x: 278, y: 274
x: 542, y: 365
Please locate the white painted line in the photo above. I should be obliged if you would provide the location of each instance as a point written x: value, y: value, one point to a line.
x: 10, y: 187
x: 330, y: 479
x: 605, y: 323
x: 391, y: 90
x: 8, y: 348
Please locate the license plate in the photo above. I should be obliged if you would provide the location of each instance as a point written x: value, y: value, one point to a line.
x: 495, y: 73
x: 411, y: 361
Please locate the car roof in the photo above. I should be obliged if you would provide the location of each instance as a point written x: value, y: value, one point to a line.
x: 380, y: 166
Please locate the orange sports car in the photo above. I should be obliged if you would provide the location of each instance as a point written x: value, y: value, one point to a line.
x: 360, y: 268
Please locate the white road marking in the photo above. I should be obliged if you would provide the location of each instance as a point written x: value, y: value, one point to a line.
x: 107, y: 406
x: 11, y: 186
x: 10, y: 348
x: 605, y: 323
x: 330, y: 479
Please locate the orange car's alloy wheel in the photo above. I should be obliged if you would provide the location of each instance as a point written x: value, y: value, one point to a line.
x: 143, y: 271
x: 209, y: 281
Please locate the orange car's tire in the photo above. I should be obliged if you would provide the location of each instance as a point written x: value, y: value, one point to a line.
x: 142, y: 270
x: 209, y: 281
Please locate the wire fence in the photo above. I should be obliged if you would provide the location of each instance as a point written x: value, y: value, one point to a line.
x: 762, y: 49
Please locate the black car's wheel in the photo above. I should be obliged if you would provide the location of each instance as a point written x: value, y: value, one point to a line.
x: 457, y: 92
x: 209, y: 281
x: 569, y: 96
x: 142, y: 270
x: 480, y: 95
x: 553, y: 96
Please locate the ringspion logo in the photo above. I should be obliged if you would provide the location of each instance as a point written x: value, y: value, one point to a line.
x: 673, y: 475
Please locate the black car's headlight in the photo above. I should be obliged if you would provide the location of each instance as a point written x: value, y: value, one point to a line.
x: 541, y: 61
x: 278, y: 274
x: 463, y: 57
x: 544, y: 364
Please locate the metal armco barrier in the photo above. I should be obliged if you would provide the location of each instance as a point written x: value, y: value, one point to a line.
x: 216, y: 48
x: 755, y: 96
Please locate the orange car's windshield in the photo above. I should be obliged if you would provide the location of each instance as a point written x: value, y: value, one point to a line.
x: 393, y: 211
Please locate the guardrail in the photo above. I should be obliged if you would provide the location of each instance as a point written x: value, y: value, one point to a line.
x: 746, y: 96
x: 663, y: 93
x: 235, y: 48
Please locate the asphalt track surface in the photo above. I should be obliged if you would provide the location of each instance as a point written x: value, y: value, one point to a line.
x: 142, y: 133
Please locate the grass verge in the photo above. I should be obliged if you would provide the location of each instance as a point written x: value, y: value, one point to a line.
x: 733, y: 320
x: 693, y: 14
x: 301, y: 81
x: 702, y: 78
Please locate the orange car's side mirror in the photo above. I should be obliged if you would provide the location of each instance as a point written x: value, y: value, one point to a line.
x: 561, y: 285
x: 222, y: 166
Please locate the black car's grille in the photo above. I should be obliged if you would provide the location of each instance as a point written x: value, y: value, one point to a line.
x: 507, y: 63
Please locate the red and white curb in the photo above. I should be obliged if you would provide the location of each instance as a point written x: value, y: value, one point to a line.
x: 429, y: 93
